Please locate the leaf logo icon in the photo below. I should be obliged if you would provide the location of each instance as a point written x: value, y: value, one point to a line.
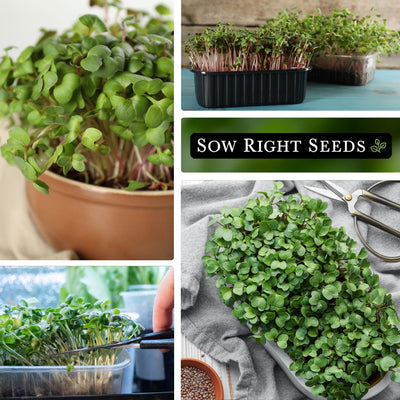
x: 378, y: 146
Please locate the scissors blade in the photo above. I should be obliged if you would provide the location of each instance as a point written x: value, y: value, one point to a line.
x: 161, y: 339
x: 339, y: 191
x: 324, y: 192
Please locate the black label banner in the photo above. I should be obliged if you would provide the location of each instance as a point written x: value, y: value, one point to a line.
x: 290, y: 145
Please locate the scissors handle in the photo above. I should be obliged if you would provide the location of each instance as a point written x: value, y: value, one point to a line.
x: 381, y: 200
x: 157, y: 344
x: 372, y: 221
x: 166, y: 334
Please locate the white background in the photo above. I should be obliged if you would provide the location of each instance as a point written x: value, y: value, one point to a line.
x: 21, y: 20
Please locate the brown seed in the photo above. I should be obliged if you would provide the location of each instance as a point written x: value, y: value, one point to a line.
x: 196, y: 384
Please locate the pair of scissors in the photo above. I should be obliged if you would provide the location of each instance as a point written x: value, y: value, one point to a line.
x: 336, y: 192
x: 153, y: 340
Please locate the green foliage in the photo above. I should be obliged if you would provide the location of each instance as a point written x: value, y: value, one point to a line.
x: 28, y: 335
x: 98, y: 283
x: 94, y: 103
x: 345, y: 33
x: 282, y: 43
x: 295, y: 279
x: 289, y: 42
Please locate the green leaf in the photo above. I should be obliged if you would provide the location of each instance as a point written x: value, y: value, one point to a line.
x: 226, y: 293
x: 135, y: 65
x: 90, y: 136
x: 165, y: 65
x: 282, y: 341
x: 124, y: 110
x: 78, y: 162
x: 212, y: 247
x: 27, y: 169
x: 154, y: 86
x: 154, y: 116
x: 378, y: 295
x: 20, y: 135
x: 276, y: 300
x: 91, y: 63
x: 108, y: 68
x: 74, y: 128
x: 50, y: 78
x: 156, y: 136
x: 395, y: 376
x: 135, y: 185
x: 163, y: 10
x: 64, y: 92
x: 386, y: 363
x: 168, y: 90
x: 41, y: 186
x: 93, y: 22
x: 330, y: 292
x: 99, y: 51
x: 259, y: 302
x: 317, y: 390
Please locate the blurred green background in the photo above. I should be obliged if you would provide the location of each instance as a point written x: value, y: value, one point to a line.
x: 291, y: 125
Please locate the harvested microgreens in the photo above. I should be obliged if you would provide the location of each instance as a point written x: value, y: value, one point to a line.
x: 295, y: 279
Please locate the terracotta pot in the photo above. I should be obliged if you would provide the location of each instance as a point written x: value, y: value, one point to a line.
x: 101, y: 223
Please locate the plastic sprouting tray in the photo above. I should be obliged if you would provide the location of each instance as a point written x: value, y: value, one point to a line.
x: 284, y: 362
x: 57, y: 381
x: 250, y: 88
x: 342, y: 69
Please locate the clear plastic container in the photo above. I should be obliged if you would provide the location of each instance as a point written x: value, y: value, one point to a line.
x: 139, y: 299
x: 57, y: 381
x: 341, y: 69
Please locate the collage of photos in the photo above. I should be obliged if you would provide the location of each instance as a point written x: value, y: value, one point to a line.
x: 270, y: 240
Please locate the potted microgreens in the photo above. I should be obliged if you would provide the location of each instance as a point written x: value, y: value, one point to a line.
x: 348, y: 46
x: 91, y: 116
x: 296, y: 280
x: 30, y: 336
x: 239, y: 67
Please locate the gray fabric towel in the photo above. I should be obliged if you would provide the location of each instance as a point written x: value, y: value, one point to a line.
x: 209, y: 324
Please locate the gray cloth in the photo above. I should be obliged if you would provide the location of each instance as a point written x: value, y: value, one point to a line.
x: 19, y: 239
x: 209, y: 324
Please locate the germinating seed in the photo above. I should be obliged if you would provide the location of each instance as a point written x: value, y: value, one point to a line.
x: 196, y: 384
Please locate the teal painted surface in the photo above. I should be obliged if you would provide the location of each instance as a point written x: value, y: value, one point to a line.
x: 383, y: 93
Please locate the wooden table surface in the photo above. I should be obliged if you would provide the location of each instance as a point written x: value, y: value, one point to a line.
x: 227, y: 377
x: 383, y: 93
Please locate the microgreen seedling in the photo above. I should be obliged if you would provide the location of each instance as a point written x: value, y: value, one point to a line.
x: 344, y: 33
x: 280, y: 44
x: 29, y: 335
x: 94, y: 103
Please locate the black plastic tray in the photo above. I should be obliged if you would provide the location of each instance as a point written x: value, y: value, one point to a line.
x: 133, y: 396
x: 250, y: 88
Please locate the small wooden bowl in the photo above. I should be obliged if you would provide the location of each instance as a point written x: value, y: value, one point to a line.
x: 215, y: 380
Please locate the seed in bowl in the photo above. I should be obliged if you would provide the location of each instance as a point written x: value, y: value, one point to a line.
x: 196, y: 384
